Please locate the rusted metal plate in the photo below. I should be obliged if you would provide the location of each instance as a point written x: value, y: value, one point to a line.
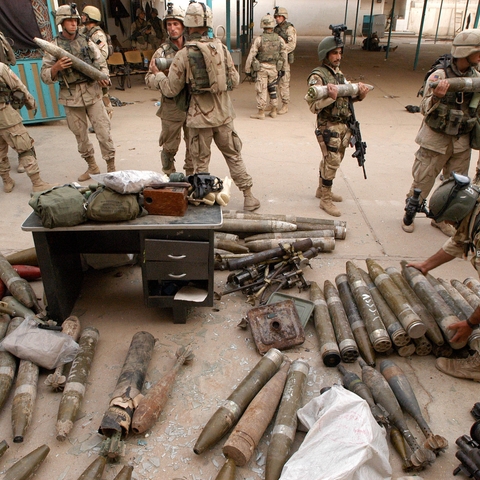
x: 276, y: 326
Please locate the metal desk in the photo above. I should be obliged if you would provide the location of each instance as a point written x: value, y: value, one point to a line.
x: 58, y: 252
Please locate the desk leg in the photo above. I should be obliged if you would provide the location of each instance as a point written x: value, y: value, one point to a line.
x: 61, y: 273
x: 180, y: 313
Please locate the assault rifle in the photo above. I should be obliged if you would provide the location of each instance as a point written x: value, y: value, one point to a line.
x: 356, y: 141
x: 139, y: 33
x: 469, y: 455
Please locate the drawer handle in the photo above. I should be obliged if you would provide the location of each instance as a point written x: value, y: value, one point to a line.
x: 177, y: 276
x: 177, y: 257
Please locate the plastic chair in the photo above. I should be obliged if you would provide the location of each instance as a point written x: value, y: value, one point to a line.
x: 134, y: 60
x: 117, y: 67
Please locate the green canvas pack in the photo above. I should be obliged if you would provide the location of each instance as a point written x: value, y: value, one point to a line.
x: 62, y: 206
x: 105, y: 205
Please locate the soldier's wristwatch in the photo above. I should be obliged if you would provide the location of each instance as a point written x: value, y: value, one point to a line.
x: 471, y: 325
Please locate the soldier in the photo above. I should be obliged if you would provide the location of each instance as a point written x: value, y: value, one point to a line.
x: 333, y: 114
x: 159, y: 27
x: 80, y: 95
x: 142, y: 34
x: 13, y: 95
x: 91, y: 20
x: 266, y: 61
x: 287, y: 31
x: 172, y: 111
x: 457, y: 202
x: 205, y: 67
x: 444, y: 135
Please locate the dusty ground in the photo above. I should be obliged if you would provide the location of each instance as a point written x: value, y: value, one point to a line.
x: 282, y: 156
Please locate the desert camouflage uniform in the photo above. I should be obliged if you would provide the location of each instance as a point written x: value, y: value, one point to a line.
x: 333, y: 134
x: 12, y: 131
x: 440, y: 151
x: 173, y: 118
x: 268, y: 72
x: 146, y: 41
x: 81, y: 101
x: 287, y: 31
x: 210, y: 115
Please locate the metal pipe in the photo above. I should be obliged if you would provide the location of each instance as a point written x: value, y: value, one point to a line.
x: 417, y: 53
x: 390, y: 30
x: 438, y: 21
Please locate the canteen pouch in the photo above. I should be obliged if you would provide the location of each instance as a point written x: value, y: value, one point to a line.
x: 62, y: 206
x: 105, y: 205
x: 455, y: 118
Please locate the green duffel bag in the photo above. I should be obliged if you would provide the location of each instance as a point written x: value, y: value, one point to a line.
x: 105, y: 205
x: 62, y: 206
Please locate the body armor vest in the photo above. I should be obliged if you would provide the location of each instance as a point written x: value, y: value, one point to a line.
x: 5, y: 93
x: 453, y: 115
x: 269, y: 50
x: 282, y: 31
x: 338, y: 111
x: 79, y: 48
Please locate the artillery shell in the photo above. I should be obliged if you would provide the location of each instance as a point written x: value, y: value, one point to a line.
x: 23, y: 257
x: 433, y: 331
x: 343, y: 333
x: 318, y: 92
x: 357, y: 325
x: 296, y: 234
x: 377, y: 333
x: 250, y: 428
x: 433, y: 301
x: 95, y: 470
x: 27, y: 465
x: 440, y: 289
x: 259, y: 226
x: 226, y: 236
x: 324, y: 328
x: 461, y: 84
x: 87, y: 69
x: 118, y: 417
x: 228, y: 470
x: 24, y: 398
x: 394, y: 328
x: 75, y: 385
x: 473, y: 284
x: 230, y: 246
x: 8, y: 365
x: 405, y: 350
x: 4, y: 321
x: 403, y: 391
x: 457, y: 297
x: 283, y: 433
x: 125, y: 473
x: 467, y: 294
x: 422, y: 346
x: 228, y: 414
x: 324, y: 244
x: 153, y: 403
x: 3, y: 447
x: 396, y: 300
x: 18, y: 309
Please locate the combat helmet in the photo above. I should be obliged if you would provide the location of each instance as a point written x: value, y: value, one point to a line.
x: 281, y: 12
x: 327, y: 45
x: 453, y: 200
x: 66, y: 11
x: 267, y: 21
x: 466, y: 43
x: 174, y: 12
x: 92, y: 13
x: 198, y: 15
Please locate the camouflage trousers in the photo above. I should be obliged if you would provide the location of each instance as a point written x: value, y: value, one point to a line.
x: 284, y: 85
x: 170, y: 138
x: 333, y: 139
x: 17, y: 138
x: 428, y: 164
x: 229, y: 143
x: 268, y: 74
x: 77, y: 123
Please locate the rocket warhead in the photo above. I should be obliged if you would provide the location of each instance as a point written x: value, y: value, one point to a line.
x: 27, y: 465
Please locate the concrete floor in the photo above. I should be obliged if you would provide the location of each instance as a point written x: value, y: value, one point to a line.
x: 282, y: 155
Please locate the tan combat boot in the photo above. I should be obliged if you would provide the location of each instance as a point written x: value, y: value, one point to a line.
x: 326, y: 202
x: 260, y: 115
x: 8, y: 183
x: 273, y: 112
x: 468, y: 368
x: 111, y: 165
x: 445, y: 228
x: 38, y: 184
x: 284, y: 109
x: 168, y: 163
x: 91, y: 170
x: 408, y: 228
x: 250, y: 203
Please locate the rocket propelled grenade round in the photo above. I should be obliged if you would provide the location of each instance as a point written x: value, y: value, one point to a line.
x: 319, y: 92
x: 83, y: 67
x: 228, y: 471
x: 94, y: 470
x: 461, y: 84
x: 125, y: 473
x: 27, y: 465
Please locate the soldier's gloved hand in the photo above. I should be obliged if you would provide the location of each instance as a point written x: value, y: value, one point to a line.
x: 281, y: 73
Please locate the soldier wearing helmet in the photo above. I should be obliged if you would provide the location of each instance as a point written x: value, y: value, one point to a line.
x: 456, y: 201
x: 205, y: 72
x: 172, y: 111
x: 158, y: 26
x: 444, y: 135
x: 287, y: 31
x: 265, y: 62
x: 333, y: 114
x: 142, y: 34
x: 80, y: 95
x: 91, y: 20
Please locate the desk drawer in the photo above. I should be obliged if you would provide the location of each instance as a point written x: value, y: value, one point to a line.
x: 176, y: 251
x: 176, y: 271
